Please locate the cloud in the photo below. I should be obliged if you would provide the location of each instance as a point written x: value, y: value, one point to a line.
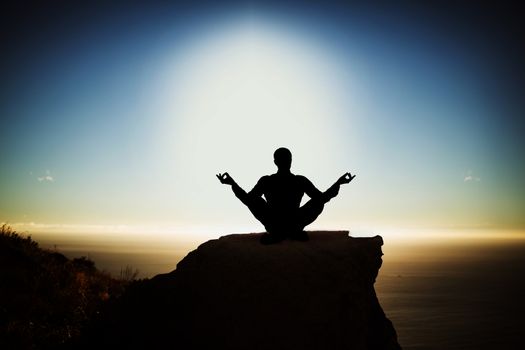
x: 470, y: 177
x: 47, y: 177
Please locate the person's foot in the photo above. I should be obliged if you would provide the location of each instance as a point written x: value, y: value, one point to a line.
x: 301, y: 236
x: 271, y: 238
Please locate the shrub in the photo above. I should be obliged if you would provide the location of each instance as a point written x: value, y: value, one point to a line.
x: 45, y: 298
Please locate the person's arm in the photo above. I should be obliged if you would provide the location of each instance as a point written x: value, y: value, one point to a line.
x: 310, y: 190
x: 258, y: 189
x: 226, y: 179
x: 334, y: 189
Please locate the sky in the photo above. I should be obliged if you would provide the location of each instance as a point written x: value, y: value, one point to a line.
x: 118, y: 115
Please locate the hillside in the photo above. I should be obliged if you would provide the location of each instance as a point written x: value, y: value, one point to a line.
x: 234, y: 293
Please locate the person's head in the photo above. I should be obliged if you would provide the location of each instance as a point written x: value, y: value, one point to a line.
x: 282, y: 157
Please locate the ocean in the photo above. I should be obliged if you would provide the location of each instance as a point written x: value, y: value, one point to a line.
x: 439, y: 295
x: 467, y: 295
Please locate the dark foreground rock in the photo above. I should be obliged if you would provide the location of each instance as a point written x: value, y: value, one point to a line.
x: 234, y: 293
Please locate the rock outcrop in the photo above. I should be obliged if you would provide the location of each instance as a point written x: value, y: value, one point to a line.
x: 234, y: 293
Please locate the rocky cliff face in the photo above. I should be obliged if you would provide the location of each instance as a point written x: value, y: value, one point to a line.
x: 234, y: 293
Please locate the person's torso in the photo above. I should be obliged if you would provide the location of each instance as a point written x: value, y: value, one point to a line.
x: 284, y: 191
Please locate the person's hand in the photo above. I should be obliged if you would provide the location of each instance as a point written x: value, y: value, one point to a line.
x: 225, y: 179
x: 346, y: 178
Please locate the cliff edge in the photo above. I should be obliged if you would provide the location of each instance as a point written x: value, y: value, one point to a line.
x: 234, y: 293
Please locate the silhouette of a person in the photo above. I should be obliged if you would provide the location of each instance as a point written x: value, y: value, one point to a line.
x: 280, y: 211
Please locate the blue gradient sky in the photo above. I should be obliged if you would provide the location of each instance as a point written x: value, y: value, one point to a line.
x: 122, y: 114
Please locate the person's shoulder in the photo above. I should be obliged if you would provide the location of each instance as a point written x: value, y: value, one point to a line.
x: 301, y: 178
x: 264, y: 178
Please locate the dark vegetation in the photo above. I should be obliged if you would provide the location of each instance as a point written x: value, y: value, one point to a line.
x: 46, y: 299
